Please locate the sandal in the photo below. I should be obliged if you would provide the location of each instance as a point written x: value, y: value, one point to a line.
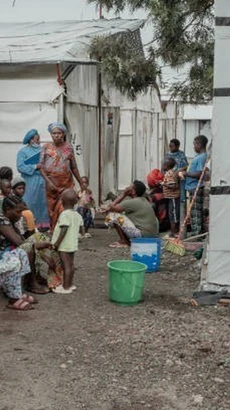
x: 30, y: 299
x: 20, y: 304
x: 40, y: 290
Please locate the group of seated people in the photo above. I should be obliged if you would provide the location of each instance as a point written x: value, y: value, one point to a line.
x: 141, y: 213
x: 40, y: 262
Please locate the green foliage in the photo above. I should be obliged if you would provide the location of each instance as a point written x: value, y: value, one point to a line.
x: 183, y: 34
x: 124, y: 65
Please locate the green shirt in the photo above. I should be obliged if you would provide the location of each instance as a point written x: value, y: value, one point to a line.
x: 73, y: 221
x: 141, y: 213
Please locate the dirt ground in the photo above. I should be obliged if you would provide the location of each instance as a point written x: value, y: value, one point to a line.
x: 81, y: 351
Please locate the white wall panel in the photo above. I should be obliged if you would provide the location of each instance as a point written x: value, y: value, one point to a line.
x: 221, y: 144
x: 30, y: 90
x: 218, y: 268
x: 82, y: 122
x: 191, y: 131
x: 222, y: 55
x: 143, y: 139
x: 125, y: 161
x: 82, y: 85
x: 219, y: 218
x: 222, y: 8
x: 17, y: 118
x: 8, y: 154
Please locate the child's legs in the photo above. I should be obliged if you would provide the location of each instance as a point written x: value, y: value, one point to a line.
x: 67, y: 259
x: 174, y: 213
x: 88, y: 219
x: 82, y: 211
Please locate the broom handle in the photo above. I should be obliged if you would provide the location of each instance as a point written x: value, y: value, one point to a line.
x: 192, y: 202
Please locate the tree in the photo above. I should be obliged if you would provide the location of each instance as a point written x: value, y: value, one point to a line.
x: 183, y: 36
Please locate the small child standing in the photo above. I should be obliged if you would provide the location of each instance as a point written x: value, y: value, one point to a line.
x: 171, y: 190
x: 65, y: 240
x: 86, y: 205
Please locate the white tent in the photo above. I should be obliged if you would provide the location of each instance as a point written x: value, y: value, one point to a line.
x: 46, y: 74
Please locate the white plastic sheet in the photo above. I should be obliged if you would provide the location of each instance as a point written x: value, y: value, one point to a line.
x: 83, y: 126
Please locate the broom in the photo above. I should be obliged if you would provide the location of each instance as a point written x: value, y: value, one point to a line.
x: 176, y: 245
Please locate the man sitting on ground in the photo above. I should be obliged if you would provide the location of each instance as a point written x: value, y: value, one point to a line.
x: 132, y: 215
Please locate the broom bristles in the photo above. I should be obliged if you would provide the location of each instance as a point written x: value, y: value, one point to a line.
x: 175, y: 247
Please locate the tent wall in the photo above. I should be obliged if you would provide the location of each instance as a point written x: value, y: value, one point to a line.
x: 28, y: 99
x: 134, y: 134
x: 82, y: 85
x: 110, y: 140
x: 82, y: 123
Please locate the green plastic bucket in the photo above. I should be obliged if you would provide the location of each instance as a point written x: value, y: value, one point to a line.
x: 126, y: 281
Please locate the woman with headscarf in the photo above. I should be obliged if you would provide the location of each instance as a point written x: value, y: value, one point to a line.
x: 27, y: 165
x: 57, y: 166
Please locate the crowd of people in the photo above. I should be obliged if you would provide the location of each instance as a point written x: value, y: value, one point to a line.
x: 42, y: 216
x: 168, y: 187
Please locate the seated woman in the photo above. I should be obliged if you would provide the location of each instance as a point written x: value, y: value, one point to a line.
x: 132, y: 215
x: 35, y: 247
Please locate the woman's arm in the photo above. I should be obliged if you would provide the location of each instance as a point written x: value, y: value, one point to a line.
x: 192, y: 174
x: 9, y: 233
x: 48, y: 181
x: 23, y: 168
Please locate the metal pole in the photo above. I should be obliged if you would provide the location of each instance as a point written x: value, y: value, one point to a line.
x: 99, y: 132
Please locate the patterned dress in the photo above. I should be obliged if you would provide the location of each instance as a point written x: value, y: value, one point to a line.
x: 52, y: 271
x: 13, y: 266
x: 56, y: 162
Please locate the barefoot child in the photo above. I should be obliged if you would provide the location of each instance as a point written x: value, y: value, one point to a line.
x: 65, y: 239
x: 171, y: 190
x: 86, y: 205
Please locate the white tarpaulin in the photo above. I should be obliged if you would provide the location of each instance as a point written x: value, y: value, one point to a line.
x: 16, y: 120
x: 82, y: 124
x: 110, y: 133
x: 56, y: 41
x: 143, y: 125
x: 30, y: 90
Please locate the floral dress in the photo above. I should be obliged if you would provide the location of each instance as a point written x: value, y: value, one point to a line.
x: 56, y: 162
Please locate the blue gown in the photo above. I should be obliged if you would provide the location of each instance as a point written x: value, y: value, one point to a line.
x: 35, y: 195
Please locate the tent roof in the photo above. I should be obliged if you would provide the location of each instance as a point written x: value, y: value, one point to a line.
x: 58, y: 41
